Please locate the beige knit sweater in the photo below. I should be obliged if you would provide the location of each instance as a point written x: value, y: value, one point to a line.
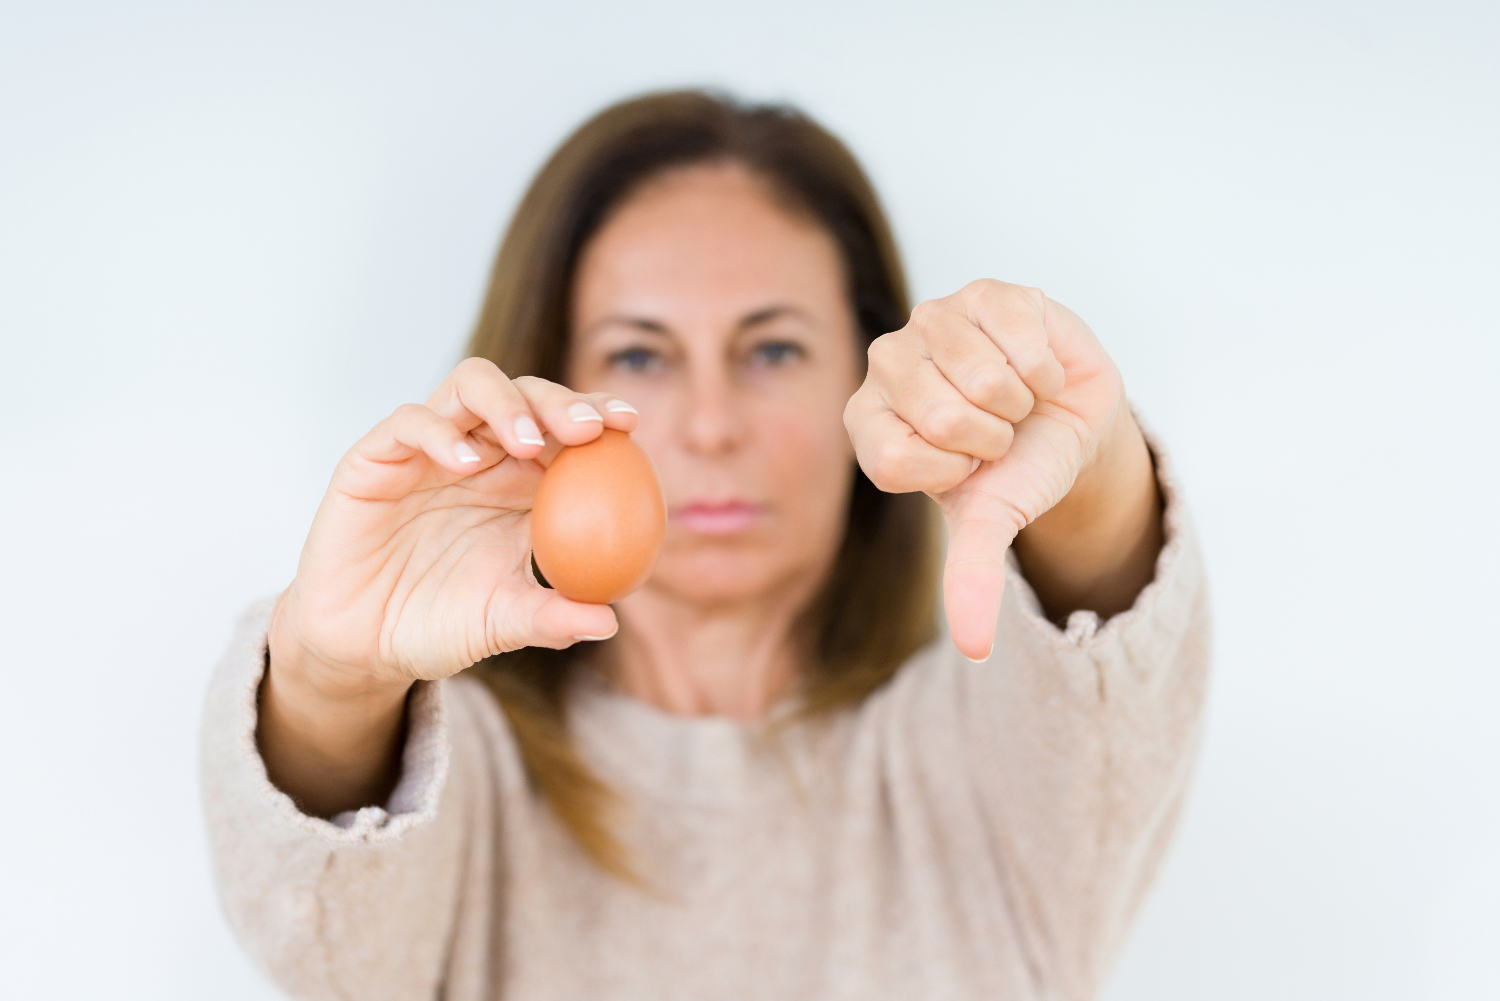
x: 969, y: 831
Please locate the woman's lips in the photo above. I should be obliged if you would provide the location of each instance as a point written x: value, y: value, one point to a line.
x: 725, y: 518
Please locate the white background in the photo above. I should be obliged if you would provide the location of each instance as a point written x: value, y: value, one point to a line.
x: 230, y: 242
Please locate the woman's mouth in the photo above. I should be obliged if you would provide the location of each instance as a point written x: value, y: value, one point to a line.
x: 720, y: 518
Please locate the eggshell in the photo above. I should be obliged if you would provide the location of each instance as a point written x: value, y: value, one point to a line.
x: 598, y: 520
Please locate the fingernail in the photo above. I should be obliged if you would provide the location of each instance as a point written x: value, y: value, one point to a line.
x: 974, y: 466
x: 465, y: 452
x: 528, y: 432
x: 594, y: 639
x: 620, y: 407
x: 981, y: 660
x: 583, y: 412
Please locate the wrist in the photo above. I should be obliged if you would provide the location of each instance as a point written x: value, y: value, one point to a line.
x: 331, y: 746
x: 306, y: 677
x: 329, y: 757
x: 1096, y: 548
x: 1116, y: 477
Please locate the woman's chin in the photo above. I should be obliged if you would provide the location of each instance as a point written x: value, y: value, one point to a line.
x: 716, y: 578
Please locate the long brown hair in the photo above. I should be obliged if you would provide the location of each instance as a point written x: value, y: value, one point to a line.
x: 879, y: 604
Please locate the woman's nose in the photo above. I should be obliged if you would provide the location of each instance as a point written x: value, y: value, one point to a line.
x: 715, y: 422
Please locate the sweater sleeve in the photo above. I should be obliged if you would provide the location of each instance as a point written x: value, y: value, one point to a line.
x: 1082, y: 741
x: 365, y: 905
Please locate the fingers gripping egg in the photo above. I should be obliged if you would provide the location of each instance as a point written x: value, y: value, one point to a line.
x: 599, y: 519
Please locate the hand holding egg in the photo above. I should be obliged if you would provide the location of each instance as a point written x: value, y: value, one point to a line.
x: 418, y: 562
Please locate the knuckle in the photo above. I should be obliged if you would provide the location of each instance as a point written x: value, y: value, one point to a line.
x: 986, y: 293
x: 852, y: 409
x: 886, y: 470
x: 882, y: 353
x: 1024, y: 362
x: 408, y: 413
x: 406, y: 421
x: 1004, y: 294
x: 477, y: 367
x: 1034, y: 367
x: 943, y: 422
x: 531, y: 385
x: 926, y: 312
x: 984, y: 383
x: 878, y: 460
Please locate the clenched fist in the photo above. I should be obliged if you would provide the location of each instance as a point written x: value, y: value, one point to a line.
x: 1002, y: 405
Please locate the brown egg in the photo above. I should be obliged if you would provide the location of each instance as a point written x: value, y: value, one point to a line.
x: 599, y: 519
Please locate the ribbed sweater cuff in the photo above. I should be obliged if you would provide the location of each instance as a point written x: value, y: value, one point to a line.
x: 424, y: 759
x: 1164, y: 603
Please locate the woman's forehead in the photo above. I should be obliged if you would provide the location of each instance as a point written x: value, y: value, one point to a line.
x: 706, y: 241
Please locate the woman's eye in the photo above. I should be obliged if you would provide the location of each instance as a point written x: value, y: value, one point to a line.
x: 635, y: 360
x: 774, y: 353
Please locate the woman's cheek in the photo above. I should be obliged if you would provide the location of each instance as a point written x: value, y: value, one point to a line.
x: 812, y: 461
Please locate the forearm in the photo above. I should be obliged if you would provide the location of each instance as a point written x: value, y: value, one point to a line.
x: 1097, y: 548
x: 399, y: 872
x: 329, y: 751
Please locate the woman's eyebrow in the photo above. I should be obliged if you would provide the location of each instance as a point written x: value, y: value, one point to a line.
x: 771, y: 313
x: 643, y: 324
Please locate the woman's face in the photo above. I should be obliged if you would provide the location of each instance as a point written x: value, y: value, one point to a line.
x: 724, y: 320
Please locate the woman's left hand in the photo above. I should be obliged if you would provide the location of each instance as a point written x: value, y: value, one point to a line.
x: 1000, y: 403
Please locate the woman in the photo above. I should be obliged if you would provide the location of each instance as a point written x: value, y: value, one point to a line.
x: 765, y: 774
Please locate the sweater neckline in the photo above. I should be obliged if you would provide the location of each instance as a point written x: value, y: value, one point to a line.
x: 703, y: 760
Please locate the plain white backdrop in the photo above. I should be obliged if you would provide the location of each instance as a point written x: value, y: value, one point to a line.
x: 231, y: 241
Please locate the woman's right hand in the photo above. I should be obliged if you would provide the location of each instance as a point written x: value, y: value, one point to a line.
x: 418, y: 565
